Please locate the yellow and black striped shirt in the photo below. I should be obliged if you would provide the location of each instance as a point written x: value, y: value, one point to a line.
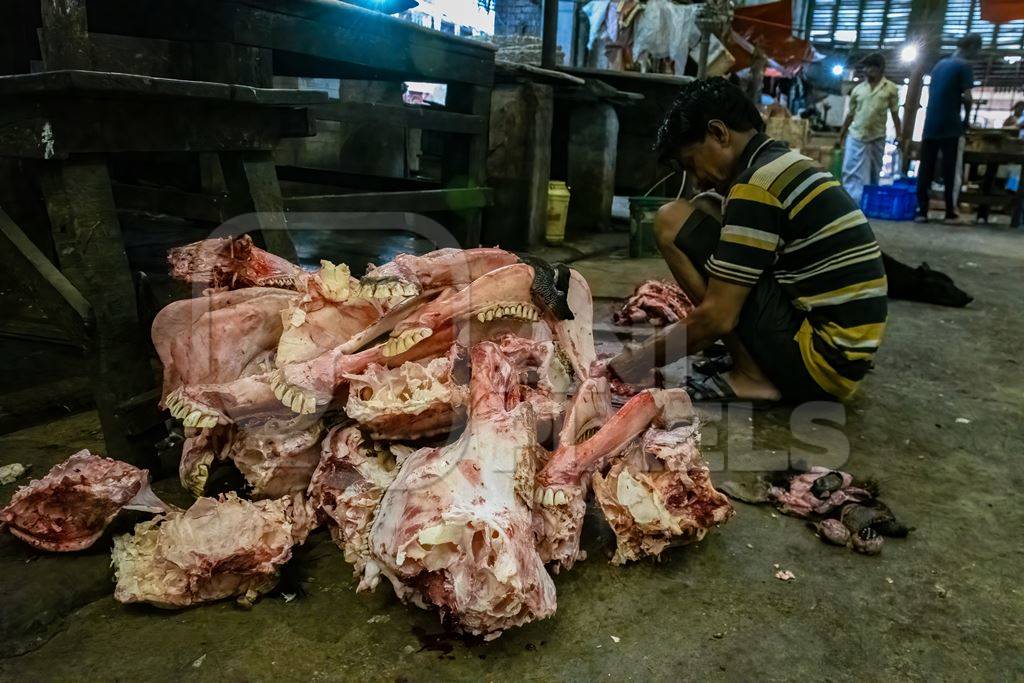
x: 785, y: 215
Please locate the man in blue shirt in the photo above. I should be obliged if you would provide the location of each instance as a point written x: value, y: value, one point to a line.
x: 945, y: 121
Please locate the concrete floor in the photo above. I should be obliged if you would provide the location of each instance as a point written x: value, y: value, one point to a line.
x: 945, y: 603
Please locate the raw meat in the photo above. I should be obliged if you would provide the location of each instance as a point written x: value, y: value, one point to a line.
x: 277, y: 457
x: 659, y: 494
x: 346, y: 489
x: 232, y: 262
x: 654, y: 302
x: 408, y: 274
x: 412, y: 401
x: 220, y: 336
x: 218, y: 548
x: 454, y: 528
x: 70, y: 507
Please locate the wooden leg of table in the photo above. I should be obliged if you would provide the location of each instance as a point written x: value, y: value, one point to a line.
x: 87, y: 237
x: 987, y: 184
x: 64, y: 37
x: 251, y: 181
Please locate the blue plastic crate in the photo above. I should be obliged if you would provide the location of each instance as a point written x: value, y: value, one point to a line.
x: 889, y: 202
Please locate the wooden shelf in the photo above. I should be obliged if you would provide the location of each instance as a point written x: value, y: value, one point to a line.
x: 423, y: 201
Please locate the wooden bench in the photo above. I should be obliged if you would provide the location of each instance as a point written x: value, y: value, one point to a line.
x: 66, y: 127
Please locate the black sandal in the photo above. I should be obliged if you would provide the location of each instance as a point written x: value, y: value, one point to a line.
x: 715, y: 389
x: 715, y: 365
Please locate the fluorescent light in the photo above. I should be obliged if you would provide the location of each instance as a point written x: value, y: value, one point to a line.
x: 837, y: 69
x: 846, y: 36
x: 908, y: 54
x: 1011, y: 59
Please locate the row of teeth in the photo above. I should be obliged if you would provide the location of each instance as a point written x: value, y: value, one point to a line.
x: 405, y: 341
x: 196, y: 481
x: 386, y: 290
x: 334, y: 280
x: 283, y: 282
x: 295, y: 398
x: 550, y: 496
x: 191, y: 414
x: 527, y: 312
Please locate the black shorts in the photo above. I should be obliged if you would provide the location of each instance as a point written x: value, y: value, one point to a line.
x: 768, y: 323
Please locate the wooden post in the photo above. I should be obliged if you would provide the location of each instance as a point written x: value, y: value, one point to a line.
x: 549, y: 33
x: 251, y: 181
x: 64, y: 36
x: 924, y: 28
x: 593, y: 145
x: 88, y: 241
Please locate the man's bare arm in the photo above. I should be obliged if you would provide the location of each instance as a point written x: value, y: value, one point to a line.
x: 713, y: 318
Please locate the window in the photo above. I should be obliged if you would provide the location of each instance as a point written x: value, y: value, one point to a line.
x: 964, y: 16
x: 864, y: 24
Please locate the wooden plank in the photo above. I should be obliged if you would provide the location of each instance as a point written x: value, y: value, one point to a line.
x: 369, y: 40
x: 144, y: 56
x: 414, y: 202
x: 87, y: 235
x: 82, y: 82
x: 350, y: 37
x: 254, y: 197
x: 191, y: 205
x: 62, y: 303
x: 64, y: 37
x: 396, y: 115
x: 340, y: 179
x: 36, y: 331
x: 58, y: 127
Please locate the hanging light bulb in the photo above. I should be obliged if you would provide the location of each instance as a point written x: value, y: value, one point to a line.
x: 908, y: 54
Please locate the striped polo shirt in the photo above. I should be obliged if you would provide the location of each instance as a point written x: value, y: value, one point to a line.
x: 785, y: 215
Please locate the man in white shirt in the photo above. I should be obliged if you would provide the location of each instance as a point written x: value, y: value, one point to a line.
x: 863, y: 131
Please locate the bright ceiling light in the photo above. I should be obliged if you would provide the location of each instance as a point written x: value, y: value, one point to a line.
x: 1011, y: 59
x: 837, y: 70
x: 845, y: 36
x: 908, y: 54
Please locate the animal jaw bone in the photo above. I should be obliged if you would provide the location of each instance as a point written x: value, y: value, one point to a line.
x: 334, y: 281
x: 296, y: 398
x: 405, y: 341
x: 386, y: 289
x: 517, y: 310
x: 192, y: 414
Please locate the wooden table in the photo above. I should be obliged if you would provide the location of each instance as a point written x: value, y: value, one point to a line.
x: 994, y: 150
x: 67, y: 126
x: 253, y: 41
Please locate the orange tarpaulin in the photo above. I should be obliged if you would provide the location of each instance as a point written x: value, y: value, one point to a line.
x: 770, y: 27
x: 1002, y: 11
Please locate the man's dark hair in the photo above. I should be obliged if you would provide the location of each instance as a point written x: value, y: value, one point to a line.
x: 699, y: 102
x: 873, y: 59
x: 970, y: 43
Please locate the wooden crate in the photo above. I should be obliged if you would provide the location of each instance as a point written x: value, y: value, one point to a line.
x: 791, y: 131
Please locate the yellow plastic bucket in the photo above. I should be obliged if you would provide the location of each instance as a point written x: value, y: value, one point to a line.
x: 558, y: 208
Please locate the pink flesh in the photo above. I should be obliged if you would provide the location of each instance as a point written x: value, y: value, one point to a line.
x: 410, y: 401
x: 659, y: 494
x: 442, y: 268
x: 218, y: 548
x: 570, y: 462
x: 232, y: 262
x: 217, y: 337
x: 69, y: 508
x: 654, y: 302
x: 507, y: 284
x: 482, y: 568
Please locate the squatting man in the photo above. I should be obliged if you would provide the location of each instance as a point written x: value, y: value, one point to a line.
x: 787, y: 274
